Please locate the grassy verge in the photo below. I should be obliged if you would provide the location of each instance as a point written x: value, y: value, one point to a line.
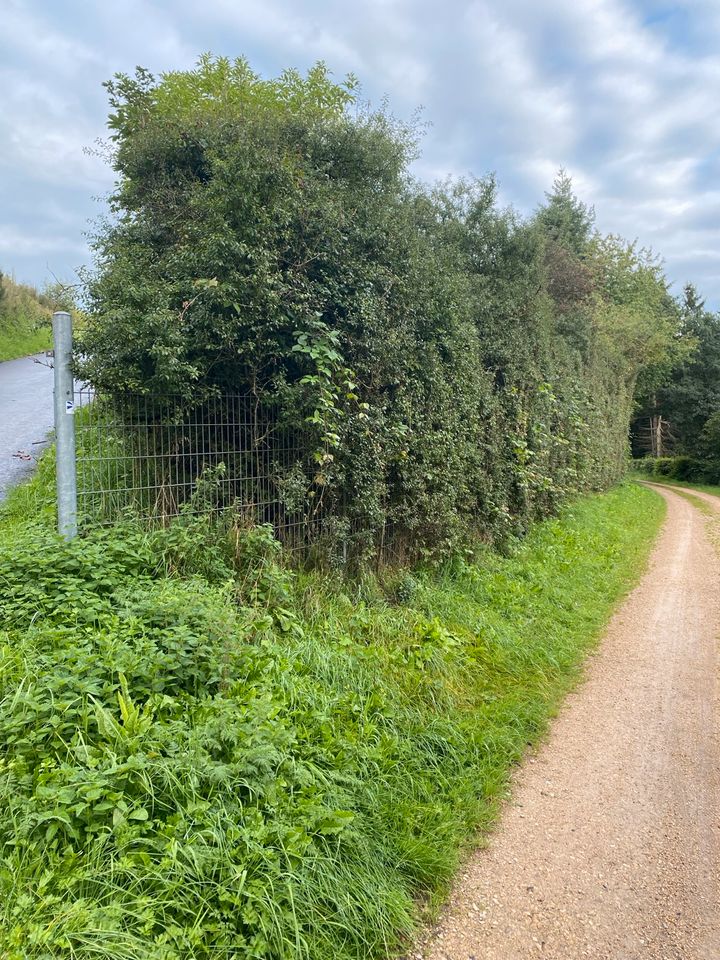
x: 23, y: 343
x: 703, y: 487
x: 713, y: 519
x: 31, y: 503
x: 702, y: 505
x: 208, y: 755
x: 24, y: 320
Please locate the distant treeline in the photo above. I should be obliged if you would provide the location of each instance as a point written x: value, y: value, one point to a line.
x: 678, y: 425
x: 460, y: 370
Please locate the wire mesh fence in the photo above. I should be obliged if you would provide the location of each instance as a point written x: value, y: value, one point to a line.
x: 155, y: 458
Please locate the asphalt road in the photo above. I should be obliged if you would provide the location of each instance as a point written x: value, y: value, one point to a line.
x: 26, y: 416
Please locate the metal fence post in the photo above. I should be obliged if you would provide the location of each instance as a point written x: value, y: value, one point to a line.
x: 64, y: 408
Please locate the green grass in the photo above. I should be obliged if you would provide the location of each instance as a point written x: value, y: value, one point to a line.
x: 24, y: 320
x: 206, y: 754
x: 30, y: 503
x: 703, y: 487
x: 22, y: 343
x: 702, y: 505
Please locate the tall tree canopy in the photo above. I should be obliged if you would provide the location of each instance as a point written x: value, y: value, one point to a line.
x: 681, y: 414
x: 692, y: 394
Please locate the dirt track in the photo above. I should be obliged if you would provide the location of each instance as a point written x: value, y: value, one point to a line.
x: 610, y: 846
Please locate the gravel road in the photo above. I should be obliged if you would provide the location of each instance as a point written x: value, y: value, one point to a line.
x: 26, y: 416
x: 610, y: 845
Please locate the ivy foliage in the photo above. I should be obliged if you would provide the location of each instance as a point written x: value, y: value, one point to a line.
x: 460, y: 370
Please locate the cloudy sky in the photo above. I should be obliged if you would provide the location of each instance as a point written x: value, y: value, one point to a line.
x: 624, y: 93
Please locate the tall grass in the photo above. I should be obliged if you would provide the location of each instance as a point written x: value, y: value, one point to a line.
x: 206, y: 754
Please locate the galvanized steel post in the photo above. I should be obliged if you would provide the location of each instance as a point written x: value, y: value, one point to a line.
x: 64, y: 425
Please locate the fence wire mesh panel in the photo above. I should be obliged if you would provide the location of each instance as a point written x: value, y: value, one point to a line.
x: 155, y: 458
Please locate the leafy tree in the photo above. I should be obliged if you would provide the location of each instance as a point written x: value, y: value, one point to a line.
x: 637, y: 317
x: 692, y: 394
x: 566, y: 226
x: 60, y: 296
x: 709, y: 440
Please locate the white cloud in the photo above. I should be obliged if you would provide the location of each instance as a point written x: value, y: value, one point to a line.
x: 44, y: 138
x: 623, y: 97
x: 14, y: 240
x: 29, y: 35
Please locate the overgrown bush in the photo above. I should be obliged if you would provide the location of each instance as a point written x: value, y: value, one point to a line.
x: 680, y: 468
x: 457, y: 371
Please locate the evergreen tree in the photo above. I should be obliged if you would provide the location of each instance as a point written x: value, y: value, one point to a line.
x: 566, y: 219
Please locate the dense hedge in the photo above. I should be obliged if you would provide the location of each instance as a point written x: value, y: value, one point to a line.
x: 461, y: 370
x: 680, y: 468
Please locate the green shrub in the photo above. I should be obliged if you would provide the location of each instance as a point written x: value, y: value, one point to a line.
x: 665, y: 467
x: 691, y: 469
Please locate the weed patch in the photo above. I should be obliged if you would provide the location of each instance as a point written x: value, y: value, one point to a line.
x: 206, y: 754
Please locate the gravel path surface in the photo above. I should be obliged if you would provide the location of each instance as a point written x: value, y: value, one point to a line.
x: 610, y: 845
x: 26, y: 416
